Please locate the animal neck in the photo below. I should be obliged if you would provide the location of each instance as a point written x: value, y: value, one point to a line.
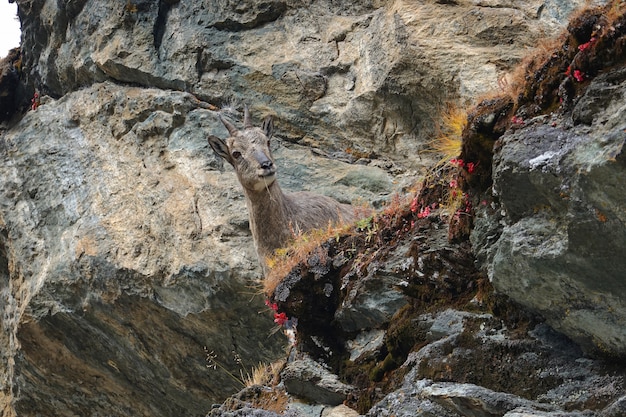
x: 269, y: 221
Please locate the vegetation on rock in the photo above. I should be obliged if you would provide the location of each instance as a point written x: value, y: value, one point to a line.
x: 431, y: 231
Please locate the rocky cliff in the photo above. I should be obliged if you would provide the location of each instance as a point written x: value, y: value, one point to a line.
x: 128, y: 280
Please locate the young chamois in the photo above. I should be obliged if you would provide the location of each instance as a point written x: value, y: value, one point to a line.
x: 274, y: 216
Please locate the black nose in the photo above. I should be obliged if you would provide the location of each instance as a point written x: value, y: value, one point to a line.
x: 267, y: 164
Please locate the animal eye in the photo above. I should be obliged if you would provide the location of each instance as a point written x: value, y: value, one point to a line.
x: 236, y: 154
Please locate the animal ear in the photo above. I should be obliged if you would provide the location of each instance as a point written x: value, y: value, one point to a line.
x: 220, y: 148
x: 268, y: 127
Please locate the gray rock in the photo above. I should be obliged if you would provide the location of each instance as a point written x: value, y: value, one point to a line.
x: 410, y: 403
x: 307, y: 379
x: 474, y: 401
x: 494, y: 367
x: 526, y: 412
x: 561, y: 200
x: 374, y: 295
x: 306, y: 409
x: 372, y: 78
x: 371, y: 304
x: 125, y: 246
x: 448, y: 323
x: 365, y: 344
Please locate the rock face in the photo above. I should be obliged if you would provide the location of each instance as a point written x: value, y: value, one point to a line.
x: 555, y: 238
x: 452, y: 349
x: 549, y: 237
x: 126, y: 257
x: 365, y: 76
x: 117, y: 268
x: 127, y: 273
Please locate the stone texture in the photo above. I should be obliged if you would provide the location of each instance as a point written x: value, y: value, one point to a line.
x: 306, y: 378
x: 525, y: 412
x: 367, y: 76
x: 116, y: 273
x: 339, y: 411
x: 560, y: 244
x: 618, y: 408
x: 468, y: 399
x: 545, y: 370
x: 126, y: 256
x: 126, y: 263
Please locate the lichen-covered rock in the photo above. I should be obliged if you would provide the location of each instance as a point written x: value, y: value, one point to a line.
x: 498, y: 370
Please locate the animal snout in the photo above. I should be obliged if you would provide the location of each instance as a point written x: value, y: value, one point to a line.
x: 265, y: 162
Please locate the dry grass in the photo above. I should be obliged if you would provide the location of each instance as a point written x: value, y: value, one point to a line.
x: 264, y: 374
x: 449, y: 130
x: 453, y: 201
x: 305, y: 245
x: 275, y: 400
x: 299, y: 249
x: 517, y: 81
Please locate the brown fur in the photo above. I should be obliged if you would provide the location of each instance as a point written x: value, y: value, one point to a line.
x: 274, y: 216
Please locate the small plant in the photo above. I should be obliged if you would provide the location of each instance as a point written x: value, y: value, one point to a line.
x: 449, y: 131
x: 214, y: 364
x: 264, y: 374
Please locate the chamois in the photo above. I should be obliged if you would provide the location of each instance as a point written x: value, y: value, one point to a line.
x: 274, y: 215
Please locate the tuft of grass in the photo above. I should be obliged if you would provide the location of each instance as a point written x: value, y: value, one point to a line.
x: 266, y: 375
x: 302, y: 246
x: 449, y: 132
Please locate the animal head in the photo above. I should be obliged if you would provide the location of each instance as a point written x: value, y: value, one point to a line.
x: 248, y: 151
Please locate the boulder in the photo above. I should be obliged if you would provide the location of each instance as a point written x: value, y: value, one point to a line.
x: 308, y: 379
x: 555, y: 238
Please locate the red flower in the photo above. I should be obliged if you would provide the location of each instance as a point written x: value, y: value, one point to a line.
x: 414, y: 205
x: 568, y: 72
x: 35, y: 101
x: 453, y: 183
x: 457, y: 162
x: 273, y: 306
x: 280, y: 318
x: 579, y: 75
x: 586, y: 45
x: 517, y: 120
x: 425, y: 212
x: 471, y: 167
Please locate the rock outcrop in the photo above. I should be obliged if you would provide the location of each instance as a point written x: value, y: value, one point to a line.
x: 128, y: 280
x: 452, y: 348
x: 540, y: 172
x: 128, y: 268
x: 554, y: 234
x: 370, y: 77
